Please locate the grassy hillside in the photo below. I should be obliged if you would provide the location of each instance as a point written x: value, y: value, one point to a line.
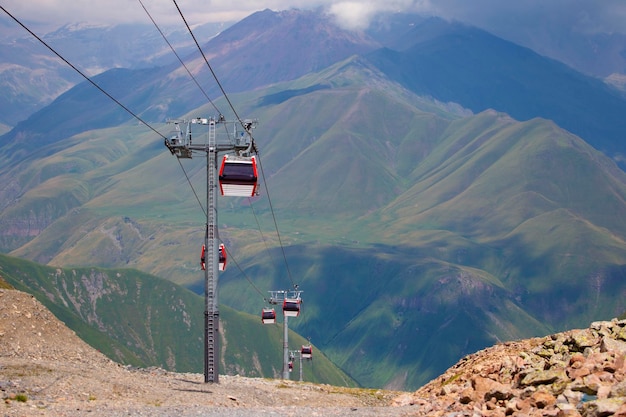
x: 390, y: 315
x: 139, y: 319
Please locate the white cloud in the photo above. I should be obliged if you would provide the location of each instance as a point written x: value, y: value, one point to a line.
x: 493, y: 15
x: 357, y: 14
x: 353, y: 14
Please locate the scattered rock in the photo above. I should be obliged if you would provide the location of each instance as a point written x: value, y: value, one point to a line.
x: 578, y: 373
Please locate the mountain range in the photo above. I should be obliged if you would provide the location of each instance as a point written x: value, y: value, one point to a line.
x: 31, y: 77
x: 435, y: 189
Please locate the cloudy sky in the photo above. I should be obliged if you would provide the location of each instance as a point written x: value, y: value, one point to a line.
x: 497, y: 16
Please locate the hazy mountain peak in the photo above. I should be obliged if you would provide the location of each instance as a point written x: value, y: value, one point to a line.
x: 258, y: 45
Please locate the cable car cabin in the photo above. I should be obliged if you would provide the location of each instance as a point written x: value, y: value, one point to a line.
x: 268, y: 316
x: 222, y: 256
x: 306, y: 352
x: 291, y: 307
x: 238, y: 176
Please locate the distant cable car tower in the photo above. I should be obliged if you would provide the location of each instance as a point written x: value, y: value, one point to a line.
x: 179, y: 143
x: 301, y: 354
x: 291, y: 302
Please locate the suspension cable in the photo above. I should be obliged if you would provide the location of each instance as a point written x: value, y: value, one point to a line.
x: 217, y: 110
x: 230, y: 256
x: 209, y: 65
x: 81, y: 73
x: 192, y: 188
x: 179, y: 58
x: 280, y: 242
x: 141, y: 120
x: 102, y: 90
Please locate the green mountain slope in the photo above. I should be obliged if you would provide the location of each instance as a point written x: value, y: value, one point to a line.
x: 139, y: 319
x: 545, y: 202
x: 389, y: 315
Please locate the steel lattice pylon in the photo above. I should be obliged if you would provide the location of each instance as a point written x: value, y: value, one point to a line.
x: 180, y: 144
x: 277, y: 297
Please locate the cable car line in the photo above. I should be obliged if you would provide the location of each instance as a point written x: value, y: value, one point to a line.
x: 179, y: 58
x: 102, y: 91
x: 247, y: 129
x: 280, y: 242
x: 192, y: 189
x: 240, y: 179
x: 243, y: 124
x: 81, y: 73
x: 253, y: 145
x: 231, y: 257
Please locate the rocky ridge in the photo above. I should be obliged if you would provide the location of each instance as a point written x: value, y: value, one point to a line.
x: 570, y: 374
x: 46, y: 370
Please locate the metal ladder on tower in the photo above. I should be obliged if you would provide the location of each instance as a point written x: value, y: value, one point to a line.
x: 212, y: 319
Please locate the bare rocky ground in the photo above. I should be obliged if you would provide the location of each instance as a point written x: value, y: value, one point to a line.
x: 570, y: 374
x: 46, y: 370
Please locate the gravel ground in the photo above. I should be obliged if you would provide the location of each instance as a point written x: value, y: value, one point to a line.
x: 46, y: 370
x: 54, y: 389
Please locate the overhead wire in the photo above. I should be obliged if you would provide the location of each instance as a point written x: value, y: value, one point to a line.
x: 179, y: 58
x: 280, y: 241
x: 81, y: 73
x: 231, y: 256
x: 244, y: 274
x: 218, y: 111
x: 180, y: 12
x: 102, y: 90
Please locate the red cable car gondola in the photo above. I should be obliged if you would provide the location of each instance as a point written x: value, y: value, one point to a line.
x: 238, y: 176
x: 291, y: 307
x: 222, y: 256
x: 268, y: 316
x: 306, y: 352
